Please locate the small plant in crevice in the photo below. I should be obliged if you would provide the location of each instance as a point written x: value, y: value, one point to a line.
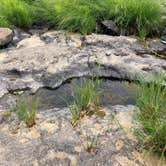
x: 151, y: 100
x: 91, y: 144
x: 86, y: 100
x: 26, y: 109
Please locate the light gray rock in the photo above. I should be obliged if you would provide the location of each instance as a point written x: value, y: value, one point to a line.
x: 6, y: 36
x: 55, y: 142
x: 36, y: 63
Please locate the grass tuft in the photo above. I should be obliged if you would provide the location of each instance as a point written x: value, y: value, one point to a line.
x: 15, y: 12
x: 86, y: 100
x: 44, y: 12
x: 92, y: 144
x: 152, y: 103
x: 26, y: 110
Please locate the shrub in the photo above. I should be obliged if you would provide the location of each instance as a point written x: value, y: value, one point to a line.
x: 26, y: 109
x: 15, y: 12
x: 152, y: 103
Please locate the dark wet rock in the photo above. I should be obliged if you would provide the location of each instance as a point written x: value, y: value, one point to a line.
x: 38, y: 31
x: 6, y: 36
x: 108, y: 27
x: 19, y: 35
x: 157, y: 47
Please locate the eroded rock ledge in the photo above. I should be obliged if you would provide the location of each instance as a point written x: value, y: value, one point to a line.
x: 52, y: 58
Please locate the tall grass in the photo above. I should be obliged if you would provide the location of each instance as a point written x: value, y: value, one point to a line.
x: 142, y: 17
x: 80, y: 16
x: 86, y: 99
x: 26, y: 109
x: 44, y: 12
x: 4, y: 22
x: 152, y: 103
x: 15, y: 12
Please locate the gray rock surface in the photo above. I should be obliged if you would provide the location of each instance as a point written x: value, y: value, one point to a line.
x: 53, y: 141
x: 54, y: 57
x: 6, y: 36
x: 109, y: 27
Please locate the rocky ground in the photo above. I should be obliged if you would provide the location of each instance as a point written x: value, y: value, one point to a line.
x: 53, y: 141
x: 47, y: 59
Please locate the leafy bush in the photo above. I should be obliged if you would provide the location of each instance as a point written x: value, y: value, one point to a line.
x: 26, y: 109
x: 152, y: 103
x: 15, y: 12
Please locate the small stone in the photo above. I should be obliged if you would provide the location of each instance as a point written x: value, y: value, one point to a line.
x: 109, y: 27
x: 124, y: 161
x: 119, y: 145
x: 6, y: 36
x: 35, y: 163
x: 49, y: 127
x: 77, y: 149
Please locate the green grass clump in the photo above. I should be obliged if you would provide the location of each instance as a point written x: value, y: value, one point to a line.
x: 26, y: 109
x: 152, y: 116
x: 4, y: 22
x: 86, y: 100
x: 44, y: 12
x: 139, y: 16
x: 143, y: 16
x: 81, y: 16
x: 15, y: 12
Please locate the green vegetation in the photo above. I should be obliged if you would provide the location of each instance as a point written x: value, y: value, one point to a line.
x: 4, y: 22
x: 152, y: 103
x: 44, y: 12
x: 81, y: 16
x: 26, y: 110
x: 138, y: 16
x: 15, y: 12
x: 86, y: 100
x: 91, y: 144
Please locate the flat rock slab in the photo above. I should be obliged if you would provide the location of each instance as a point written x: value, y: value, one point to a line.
x: 53, y: 141
x: 6, y: 36
x: 54, y: 57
